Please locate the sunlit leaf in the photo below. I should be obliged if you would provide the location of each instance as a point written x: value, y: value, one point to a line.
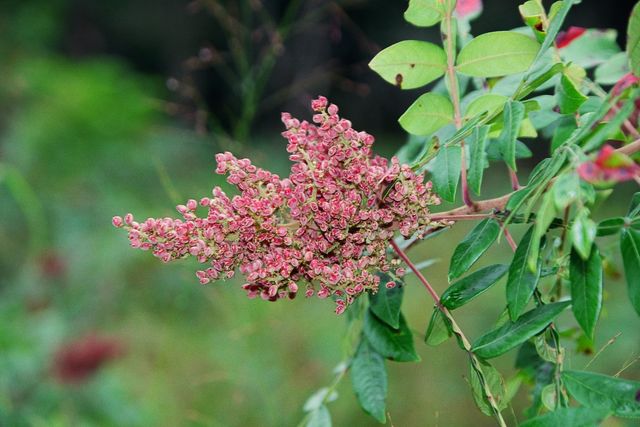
x: 410, y: 63
x: 496, y: 54
x: 478, y: 155
x: 423, y: 13
x: 427, y: 114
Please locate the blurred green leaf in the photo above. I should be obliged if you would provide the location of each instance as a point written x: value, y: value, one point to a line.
x: 616, y: 67
x: 369, y: 380
x: 319, y: 417
x: 569, y: 417
x: 569, y: 96
x: 592, y: 48
x: 494, y: 381
x: 601, y: 391
x: 633, y: 39
x: 610, y: 226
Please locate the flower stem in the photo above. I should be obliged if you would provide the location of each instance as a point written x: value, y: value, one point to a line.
x: 475, y: 362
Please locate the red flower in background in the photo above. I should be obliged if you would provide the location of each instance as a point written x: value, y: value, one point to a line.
x: 78, y: 360
x: 465, y: 8
x: 566, y: 37
x: 609, y: 167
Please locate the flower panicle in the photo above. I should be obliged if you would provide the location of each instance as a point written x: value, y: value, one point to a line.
x: 326, y: 226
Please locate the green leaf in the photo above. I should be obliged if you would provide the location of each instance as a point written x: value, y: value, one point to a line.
x: 544, y: 218
x: 612, y: 127
x: 427, y: 114
x: 633, y: 40
x: 438, y: 330
x: 630, y: 248
x: 512, y: 334
x: 566, y: 190
x: 490, y: 103
x: 569, y: 96
x: 496, y: 54
x: 513, y: 115
x: 369, y: 380
x: 394, y: 344
x: 569, y: 417
x: 410, y: 64
x: 445, y: 172
x: 478, y: 163
x: 610, y: 226
x: 473, y: 246
x: 494, y: 381
x: 423, y: 13
x: 319, y: 417
x: 613, y: 70
x: 583, y: 233
x: 601, y: 391
x: 385, y: 303
x: 469, y: 287
x: 634, y: 206
x: 585, y: 277
x: 521, y: 281
x: 555, y: 23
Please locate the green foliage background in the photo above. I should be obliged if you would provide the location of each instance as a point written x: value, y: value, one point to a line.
x: 82, y: 139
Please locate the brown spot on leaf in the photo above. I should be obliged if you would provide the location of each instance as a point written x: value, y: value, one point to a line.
x: 539, y: 27
x: 399, y: 80
x: 412, y: 65
x: 444, y: 36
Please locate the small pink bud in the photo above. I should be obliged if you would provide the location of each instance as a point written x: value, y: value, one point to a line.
x: 117, y: 221
x: 128, y: 219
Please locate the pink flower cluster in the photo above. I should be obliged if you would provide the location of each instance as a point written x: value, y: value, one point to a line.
x: 326, y: 227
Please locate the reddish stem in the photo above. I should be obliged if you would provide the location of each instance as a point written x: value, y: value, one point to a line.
x: 515, y: 184
x: 418, y: 274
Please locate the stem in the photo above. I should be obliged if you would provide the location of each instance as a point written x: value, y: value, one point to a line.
x: 468, y: 217
x: 515, y: 184
x: 448, y: 39
x: 509, y: 238
x: 475, y: 362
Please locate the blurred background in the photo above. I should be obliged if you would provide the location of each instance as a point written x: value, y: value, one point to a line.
x: 111, y: 107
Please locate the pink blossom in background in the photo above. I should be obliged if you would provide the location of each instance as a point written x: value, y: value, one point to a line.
x: 608, y: 167
x: 565, y: 38
x: 78, y: 360
x: 326, y: 227
x: 468, y: 7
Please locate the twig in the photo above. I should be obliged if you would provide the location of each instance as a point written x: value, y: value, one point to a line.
x: 604, y: 347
